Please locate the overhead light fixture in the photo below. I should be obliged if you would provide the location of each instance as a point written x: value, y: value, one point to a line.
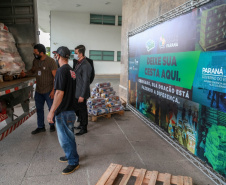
x: 77, y: 5
x: 107, y: 3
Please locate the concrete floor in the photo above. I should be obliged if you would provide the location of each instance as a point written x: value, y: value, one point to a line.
x: 27, y: 159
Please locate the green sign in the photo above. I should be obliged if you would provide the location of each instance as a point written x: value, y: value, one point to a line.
x: 171, y: 68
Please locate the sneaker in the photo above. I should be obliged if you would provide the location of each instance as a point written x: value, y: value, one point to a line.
x: 63, y: 159
x: 38, y: 130
x: 52, y: 128
x: 70, y: 169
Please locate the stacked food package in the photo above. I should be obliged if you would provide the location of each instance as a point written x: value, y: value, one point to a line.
x: 10, y: 60
x: 213, y: 27
x: 215, y: 149
x: 103, y: 100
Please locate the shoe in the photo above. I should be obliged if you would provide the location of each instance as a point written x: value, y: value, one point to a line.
x: 52, y: 128
x: 78, y: 127
x: 81, y: 132
x: 70, y: 169
x: 38, y: 130
x: 63, y: 159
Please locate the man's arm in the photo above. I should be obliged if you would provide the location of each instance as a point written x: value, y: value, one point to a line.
x: 86, y: 80
x: 52, y: 92
x: 93, y: 70
x: 58, y: 97
x: 31, y: 72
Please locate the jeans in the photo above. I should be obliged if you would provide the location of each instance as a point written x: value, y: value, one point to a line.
x: 65, y: 131
x: 82, y: 113
x: 39, y: 103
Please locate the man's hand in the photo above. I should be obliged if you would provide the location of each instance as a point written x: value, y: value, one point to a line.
x: 50, y: 117
x: 80, y: 100
x: 51, y: 95
x: 22, y: 74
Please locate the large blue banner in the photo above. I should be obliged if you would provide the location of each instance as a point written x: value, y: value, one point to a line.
x: 177, y: 79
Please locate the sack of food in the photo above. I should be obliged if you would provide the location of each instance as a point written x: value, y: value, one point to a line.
x: 95, y: 100
x: 5, y: 66
x: 117, y: 108
x: 114, y: 97
x: 98, y: 106
x: 6, y: 37
x: 105, y: 89
x: 3, y: 27
x: 113, y: 103
x: 107, y: 94
x: 108, y: 99
x: 105, y: 84
x: 8, y: 47
x: 11, y: 63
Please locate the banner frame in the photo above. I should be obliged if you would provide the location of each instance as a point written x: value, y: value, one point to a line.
x: 201, y: 165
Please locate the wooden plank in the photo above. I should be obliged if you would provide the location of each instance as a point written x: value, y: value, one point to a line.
x: 106, y: 174
x: 160, y: 177
x: 114, y: 175
x: 121, y: 112
x: 108, y: 115
x: 167, y: 179
x: 190, y: 181
x: 180, y: 180
x: 187, y: 181
x: 140, y: 177
x: 153, y: 178
x: 126, y: 177
x: 94, y: 118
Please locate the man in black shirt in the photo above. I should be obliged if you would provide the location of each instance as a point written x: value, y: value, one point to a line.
x: 64, y: 109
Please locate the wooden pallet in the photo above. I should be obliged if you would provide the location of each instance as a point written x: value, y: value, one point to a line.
x: 143, y: 177
x: 108, y: 115
x: 213, y: 47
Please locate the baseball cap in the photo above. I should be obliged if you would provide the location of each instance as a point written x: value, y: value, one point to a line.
x: 64, y: 52
x: 54, y: 52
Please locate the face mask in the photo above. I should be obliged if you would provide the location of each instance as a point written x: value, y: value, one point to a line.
x: 37, y: 56
x: 58, y: 65
x: 76, y: 56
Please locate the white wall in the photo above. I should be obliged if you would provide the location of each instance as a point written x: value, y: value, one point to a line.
x: 71, y: 29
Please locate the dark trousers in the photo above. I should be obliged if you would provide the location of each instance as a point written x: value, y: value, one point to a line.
x: 40, y: 100
x: 82, y: 113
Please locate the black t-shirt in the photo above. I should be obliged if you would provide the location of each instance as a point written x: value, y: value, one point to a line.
x: 65, y: 81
